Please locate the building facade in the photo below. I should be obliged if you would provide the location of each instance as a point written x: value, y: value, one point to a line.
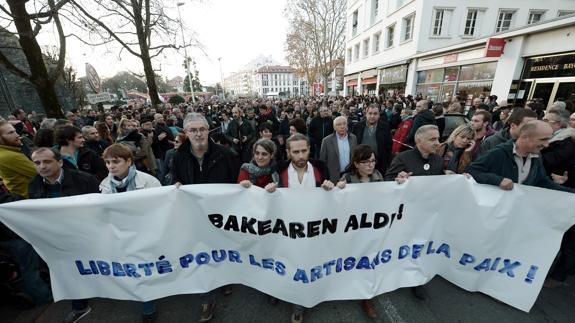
x: 390, y: 45
x: 274, y: 81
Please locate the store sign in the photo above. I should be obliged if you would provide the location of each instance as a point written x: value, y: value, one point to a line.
x: 549, y: 66
x: 391, y: 75
x: 494, y: 47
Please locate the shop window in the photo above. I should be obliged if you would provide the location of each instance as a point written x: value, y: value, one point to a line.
x: 451, y: 74
x: 407, y: 28
x: 434, y: 76
x: 504, y: 20
x: 535, y: 16
x: 485, y: 71
x: 390, y: 36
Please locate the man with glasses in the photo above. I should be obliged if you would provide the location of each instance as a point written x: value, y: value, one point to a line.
x: 201, y: 161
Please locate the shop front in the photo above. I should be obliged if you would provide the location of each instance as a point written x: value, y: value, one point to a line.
x: 392, y: 80
x: 546, y: 79
x: 351, y: 84
x: 467, y: 81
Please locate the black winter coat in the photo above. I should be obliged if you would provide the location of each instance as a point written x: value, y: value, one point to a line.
x: 320, y: 128
x: 499, y: 163
x: 384, y: 142
x: 219, y: 165
x: 89, y: 162
x: 559, y: 157
x: 5, y: 233
x: 426, y: 117
x: 74, y: 183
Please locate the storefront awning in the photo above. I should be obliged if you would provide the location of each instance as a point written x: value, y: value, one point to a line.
x: 351, y: 83
x: 369, y: 80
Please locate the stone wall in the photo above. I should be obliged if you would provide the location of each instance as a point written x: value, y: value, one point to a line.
x: 16, y: 92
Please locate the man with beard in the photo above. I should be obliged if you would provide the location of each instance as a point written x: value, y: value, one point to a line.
x: 93, y: 140
x: 201, y: 161
x: 16, y: 170
x: 301, y: 172
x: 240, y: 133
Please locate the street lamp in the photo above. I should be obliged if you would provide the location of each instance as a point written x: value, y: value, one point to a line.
x: 187, y: 60
x: 222, y: 79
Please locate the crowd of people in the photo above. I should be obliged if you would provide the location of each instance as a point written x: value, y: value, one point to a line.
x: 280, y: 143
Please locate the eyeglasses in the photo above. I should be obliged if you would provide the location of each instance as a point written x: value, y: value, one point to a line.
x: 369, y: 161
x: 549, y: 121
x: 195, y: 131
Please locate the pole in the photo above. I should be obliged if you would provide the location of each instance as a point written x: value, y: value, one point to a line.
x: 187, y: 60
x: 222, y: 79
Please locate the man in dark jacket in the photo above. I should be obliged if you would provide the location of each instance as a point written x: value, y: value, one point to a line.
x: 518, y: 118
x: 93, y: 140
x: 200, y: 161
x: 517, y: 161
x: 423, y: 116
x: 319, y: 128
x: 375, y: 132
x: 56, y: 181
x: 75, y: 156
x: 559, y: 157
x: 162, y: 142
x: 240, y: 134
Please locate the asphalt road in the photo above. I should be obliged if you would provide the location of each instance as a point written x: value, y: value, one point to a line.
x: 445, y: 303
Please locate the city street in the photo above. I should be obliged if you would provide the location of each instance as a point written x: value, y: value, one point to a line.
x: 445, y: 303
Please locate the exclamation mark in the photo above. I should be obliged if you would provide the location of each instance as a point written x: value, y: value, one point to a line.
x: 531, y: 274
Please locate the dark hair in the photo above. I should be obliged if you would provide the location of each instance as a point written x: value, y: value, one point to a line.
x: 44, y: 138
x: 264, y: 126
x: 360, y: 153
x: 299, y: 125
x: 518, y: 115
x: 484, y: 114
x: 64, y: 134
x: 437, y: 109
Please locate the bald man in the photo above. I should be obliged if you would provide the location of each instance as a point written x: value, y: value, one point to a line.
x: 336, y: 149
x: 518, y: 161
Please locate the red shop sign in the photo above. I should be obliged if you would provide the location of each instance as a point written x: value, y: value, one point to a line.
x: 494, y: 47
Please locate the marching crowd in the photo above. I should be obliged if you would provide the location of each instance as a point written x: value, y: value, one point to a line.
x: 280, y: 143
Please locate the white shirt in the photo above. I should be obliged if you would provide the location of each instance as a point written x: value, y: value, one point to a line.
x: 308, y: 177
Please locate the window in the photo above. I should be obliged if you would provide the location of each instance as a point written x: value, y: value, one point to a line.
x: 349, y: 55
x: 504, y: 20
x: 470, y: 22
x: 438, y: 22
x: 390, y: 36
x: 365, y: 47
x: 375, y: 44
x: 562, y: 13
x: 356, y: 52
x: 374, y: 10
x: 535, y: 16
x: 407, y: 33
x: 354, y: 23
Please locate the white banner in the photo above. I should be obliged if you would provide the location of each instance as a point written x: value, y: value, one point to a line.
x: 304, y: 246
x: 94, y: 98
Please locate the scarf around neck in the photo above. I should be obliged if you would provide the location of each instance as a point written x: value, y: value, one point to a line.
x: 128, y: 182
x: 255, y: 171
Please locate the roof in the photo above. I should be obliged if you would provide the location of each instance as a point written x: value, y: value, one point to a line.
x: 276, y: 69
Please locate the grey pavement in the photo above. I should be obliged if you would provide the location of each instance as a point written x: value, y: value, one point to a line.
x: 445, y: 303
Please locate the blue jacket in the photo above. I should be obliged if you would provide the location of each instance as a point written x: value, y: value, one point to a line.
x: 498, y: 163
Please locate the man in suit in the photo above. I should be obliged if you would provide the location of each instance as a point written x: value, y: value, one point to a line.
x: 336, y: 149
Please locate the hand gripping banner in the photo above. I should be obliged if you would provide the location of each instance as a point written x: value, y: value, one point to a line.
x: 304, y: 246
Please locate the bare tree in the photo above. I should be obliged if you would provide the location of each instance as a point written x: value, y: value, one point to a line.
x: 134, y: 24
x: 299, y: 54
x: 320, y: 25
x: 38, y: 75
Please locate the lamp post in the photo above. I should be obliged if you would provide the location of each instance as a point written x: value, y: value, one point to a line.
x: 222, y: 79
x: 187, y: 60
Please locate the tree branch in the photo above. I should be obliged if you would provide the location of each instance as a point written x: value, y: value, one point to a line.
x: 5, y: 62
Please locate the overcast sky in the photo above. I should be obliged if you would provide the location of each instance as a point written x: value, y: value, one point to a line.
x: 236, y: 31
